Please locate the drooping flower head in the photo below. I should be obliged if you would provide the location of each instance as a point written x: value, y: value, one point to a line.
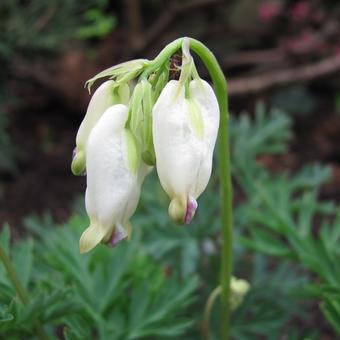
x: 185, y: 127
x: 172, y: 124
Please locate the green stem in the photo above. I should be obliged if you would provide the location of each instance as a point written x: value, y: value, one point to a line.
x: 207, y: 311
x: 221, y: 90
x: 164, y: 55
x: 23, y: 296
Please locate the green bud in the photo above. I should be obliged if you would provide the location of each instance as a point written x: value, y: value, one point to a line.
x: 239, y: 288
x: 133, y: 158
x: 147, y: 121
x: 135, y: 111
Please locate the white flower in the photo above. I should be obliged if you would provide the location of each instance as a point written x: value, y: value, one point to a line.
x: 184, y: 133
x: 105, y: 96
x: 114, y: 178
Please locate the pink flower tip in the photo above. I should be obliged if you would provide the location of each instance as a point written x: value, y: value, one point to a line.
x: 191, y: 208
x: 118, y: 235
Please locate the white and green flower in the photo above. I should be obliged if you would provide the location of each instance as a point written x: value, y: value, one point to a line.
x: 114, y: 178
x: 185, y: 127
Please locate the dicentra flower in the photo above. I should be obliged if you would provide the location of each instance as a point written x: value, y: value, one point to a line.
x: 114, y: 177
x: 185, y: 126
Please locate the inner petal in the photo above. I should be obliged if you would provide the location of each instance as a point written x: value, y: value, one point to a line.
x: 191, y: 208
x: 118, y: 235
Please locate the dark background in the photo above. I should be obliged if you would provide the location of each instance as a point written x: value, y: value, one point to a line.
x: 285, y: 53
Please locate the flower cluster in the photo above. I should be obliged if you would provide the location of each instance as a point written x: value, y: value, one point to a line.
x: 136, y: 120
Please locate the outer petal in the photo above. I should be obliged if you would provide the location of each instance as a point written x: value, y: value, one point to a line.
x: 135, y: 193
x: 205, y: 97
x: 177, y: 148
x: 110, y: 183
x: 185, y: 132
x: 105, y: 96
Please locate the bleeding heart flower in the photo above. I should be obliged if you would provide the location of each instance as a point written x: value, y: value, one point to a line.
x: 185, y: 127
x: 114, y: 178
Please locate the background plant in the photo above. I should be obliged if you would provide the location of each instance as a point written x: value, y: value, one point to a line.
x: 155, y: 286
x: 53, y: 25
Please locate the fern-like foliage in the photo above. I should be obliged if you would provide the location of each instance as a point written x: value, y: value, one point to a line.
x: 121, y: 294
x: 156, y: 285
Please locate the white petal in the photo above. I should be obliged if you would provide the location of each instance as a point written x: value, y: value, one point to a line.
x: 91, y: 237
x: 105, y: 96
x: 135, y: 193
x: 101, y: 100
x: 177, y: 147
x: 110, y: 184
x: 184, y: 134
x: 205, y: 97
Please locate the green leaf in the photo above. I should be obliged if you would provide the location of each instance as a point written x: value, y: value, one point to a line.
x: 5, y: 237
x: 267, y: 243
x: 331, y: 310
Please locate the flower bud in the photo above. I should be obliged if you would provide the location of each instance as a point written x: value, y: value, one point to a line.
x: 105, y: 96
x: 184, y: 134
x: 114, y: 177
x: 238, y: 290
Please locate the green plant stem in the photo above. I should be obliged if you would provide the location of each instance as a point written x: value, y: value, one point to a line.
x: 207, y: 311
x: 162, y: 57
x: 221, y: 90
x: 23, y: 296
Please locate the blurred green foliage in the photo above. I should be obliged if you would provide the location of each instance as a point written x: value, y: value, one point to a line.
x: 295, y: 99
x: 156, y: 285
x: 34, y: 29
x: 38, y: 25
x: 122, y: 292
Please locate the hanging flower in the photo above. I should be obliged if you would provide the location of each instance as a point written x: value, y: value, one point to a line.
x: 105, y: 96
x: 114, y: 177
x: 185, y: 126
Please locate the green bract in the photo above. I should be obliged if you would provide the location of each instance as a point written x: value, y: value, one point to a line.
x: 122, y: 73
